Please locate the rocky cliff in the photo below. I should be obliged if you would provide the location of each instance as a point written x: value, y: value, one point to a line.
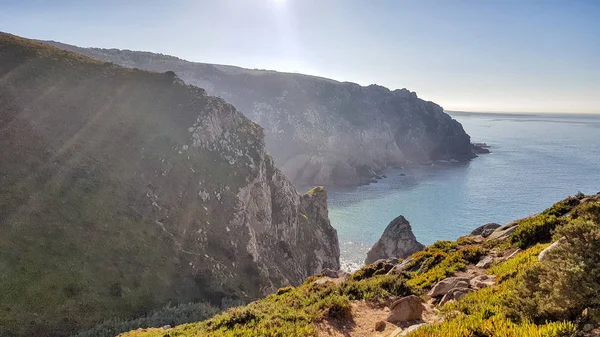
x: 124, y: 190
x: 397, y: 241
x: 517, y: 284
x: 320, y: 131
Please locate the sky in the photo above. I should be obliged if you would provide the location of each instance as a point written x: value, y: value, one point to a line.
x: 467, y: 55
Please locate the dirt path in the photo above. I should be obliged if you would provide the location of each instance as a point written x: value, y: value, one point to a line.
x: 364, y: 319
x: 471, y: 272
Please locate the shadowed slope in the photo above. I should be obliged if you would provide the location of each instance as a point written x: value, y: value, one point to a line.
x: 123, y: 190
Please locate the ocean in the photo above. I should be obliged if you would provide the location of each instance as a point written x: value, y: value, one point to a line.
x: 535, y: 161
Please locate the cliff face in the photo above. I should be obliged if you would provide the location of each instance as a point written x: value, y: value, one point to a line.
x: 318, y: 130
x: 124, y: 190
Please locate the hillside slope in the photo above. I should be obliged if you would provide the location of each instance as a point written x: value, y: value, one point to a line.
x: 320, y: 131
x: 512, y: 283
x: 123, y: 190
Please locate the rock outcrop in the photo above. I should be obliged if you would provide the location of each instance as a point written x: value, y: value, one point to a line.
x: 445, y: 285
x: 408, y: 308
x: 125, y: 190
x: 485, y: 230
x: 503, y: 232
x: 485, y: 263
x: 454, y: 294
x: 397, y: 240
x: 318, y: 130
x: 482, y: 281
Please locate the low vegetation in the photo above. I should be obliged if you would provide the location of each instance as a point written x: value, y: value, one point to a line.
x: 442, y: 260
x: 534, y: 298
x: 169, y: 315
x: 292, y: 310
x: 487, y: 312
x: 568, y: 281
x: 539, y: 228
x: 316, y: 189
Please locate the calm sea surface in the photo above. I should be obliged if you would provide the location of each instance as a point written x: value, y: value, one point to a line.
x: 536, y: 161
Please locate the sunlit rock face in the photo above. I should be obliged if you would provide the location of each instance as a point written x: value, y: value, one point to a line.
x: 124, y: 190
x: 397, y: 241
x: 320, y: 131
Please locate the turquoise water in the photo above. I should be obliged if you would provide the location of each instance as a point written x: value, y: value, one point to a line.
x: 536, y: 161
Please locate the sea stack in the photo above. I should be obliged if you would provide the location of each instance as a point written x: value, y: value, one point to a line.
x: 397, y: 240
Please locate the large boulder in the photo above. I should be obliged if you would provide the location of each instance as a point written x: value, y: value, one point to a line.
x: 408, y: 308
x: 485, y: 230
x: 454, y: 294
x: 445, y: 285
x: 502, y: 233
x: 397, y: 240
x: 486, y: 262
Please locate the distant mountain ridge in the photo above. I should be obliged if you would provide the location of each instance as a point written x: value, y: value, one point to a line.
x: 318, y: 130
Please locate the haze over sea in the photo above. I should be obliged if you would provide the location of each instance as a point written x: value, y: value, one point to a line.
x: 535, y: 161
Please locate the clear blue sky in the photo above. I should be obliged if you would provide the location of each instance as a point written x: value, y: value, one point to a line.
x: 473, y: 55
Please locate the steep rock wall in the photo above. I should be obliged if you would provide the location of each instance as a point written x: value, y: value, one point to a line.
x: 124, y: 190
x: 320, y: 131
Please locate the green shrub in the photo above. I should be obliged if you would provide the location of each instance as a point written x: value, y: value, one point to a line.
x: 284, y: 290
x: 438, y: 264
x: 184, y: 313
x: 496, y: 326
x: 235, y: 316
x: 563, y: 207
x: 378, y: 287
x: 530, y: 298
x: 568, y: 280
x: 371, y: 270
x: 588, y: 211
x: 537, y: 229
x: 335, y: 306
x: 518, y: 264
x: 486, y: 312
x: 444, y: 246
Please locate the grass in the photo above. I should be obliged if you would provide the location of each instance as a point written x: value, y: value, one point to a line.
x: 509, y: 269
x: 442, y: 260
x: 316, y: 189
x: 500, y: 310
x: 588, y: 211
x: 292, y: 311
x: 485, y: 312
x: 539, y: 228
x: 169, y: 315
x: 479, y: 325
